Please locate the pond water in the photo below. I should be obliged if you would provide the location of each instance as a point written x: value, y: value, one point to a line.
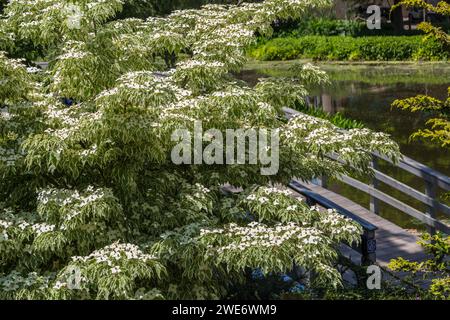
x: 365, y: 93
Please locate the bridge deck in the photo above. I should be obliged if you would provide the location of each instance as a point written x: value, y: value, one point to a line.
x: 392, y: 240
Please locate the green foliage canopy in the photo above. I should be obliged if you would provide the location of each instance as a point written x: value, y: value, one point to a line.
x: 436, y: 268
x: 91, y: 188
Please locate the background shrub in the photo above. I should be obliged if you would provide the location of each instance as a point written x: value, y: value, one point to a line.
x: 370, y: 48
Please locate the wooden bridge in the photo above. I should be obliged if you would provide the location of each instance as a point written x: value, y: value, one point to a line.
x: 383, y: 240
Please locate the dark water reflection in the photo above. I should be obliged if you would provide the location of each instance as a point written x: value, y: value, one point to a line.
x: 370, y: 104
x: 366, y: 94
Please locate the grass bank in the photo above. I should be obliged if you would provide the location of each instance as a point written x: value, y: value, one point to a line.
x: 373, y: 72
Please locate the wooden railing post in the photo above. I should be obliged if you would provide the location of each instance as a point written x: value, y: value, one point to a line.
x: 431, y: 191
x: 321, y: 181
x: 324, y: 182
x: 374, y: 202
x: 368, y: 248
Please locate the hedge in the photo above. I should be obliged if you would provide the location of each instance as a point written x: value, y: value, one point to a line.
x: 372, y: 48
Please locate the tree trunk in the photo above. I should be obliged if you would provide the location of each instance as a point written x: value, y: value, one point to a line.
x: 397, y: 17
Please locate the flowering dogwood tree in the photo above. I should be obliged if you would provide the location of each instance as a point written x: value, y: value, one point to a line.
x: 91, y: 204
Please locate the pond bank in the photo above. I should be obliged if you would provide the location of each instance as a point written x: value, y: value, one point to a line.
x: 367, y: 71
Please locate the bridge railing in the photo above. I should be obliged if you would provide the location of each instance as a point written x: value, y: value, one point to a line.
x: 433, y: 181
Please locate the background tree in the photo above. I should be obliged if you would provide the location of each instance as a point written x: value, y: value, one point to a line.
x: 439, y: 127
x: 438, y: 246
x: 90, y: 198
x: 396, y: 16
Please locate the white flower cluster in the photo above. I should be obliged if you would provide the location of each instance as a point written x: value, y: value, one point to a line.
x: 66, y: 122
x: 74, y: 53
x: 265, y: 107
x: 107, y: 93
x: 73, y: 123
x: 265, y: 193
x: 339, y: 225
x: 148, y: 85
x: 324, y: 136
x: 268, y: 191
x: 15, y: 281
x: 176, y: 117
x: 191, y: 64
x: 59, y: 285
x: 5, y: 224
x: 234, y: 33
x: 41, y: 228
x: 93, y: 4
x: 115, y: 270
x: 35, y: 17
x: 62, y: 134
x: 142, y: 80
x: 4, y: 113
x: 89, y: 152
x: 10, y: 156
x: 70, y: 197
x: 234, y: 92
x: 202, y: 188
x: 9, y: 218
x: 261, y: 236
x: 155, y: 36
x: 55, y: 111
x: 113, y: 254
x: 11, y: 64
x: 311, y: 74
x: 352, y: 145
x: 22, y: 221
